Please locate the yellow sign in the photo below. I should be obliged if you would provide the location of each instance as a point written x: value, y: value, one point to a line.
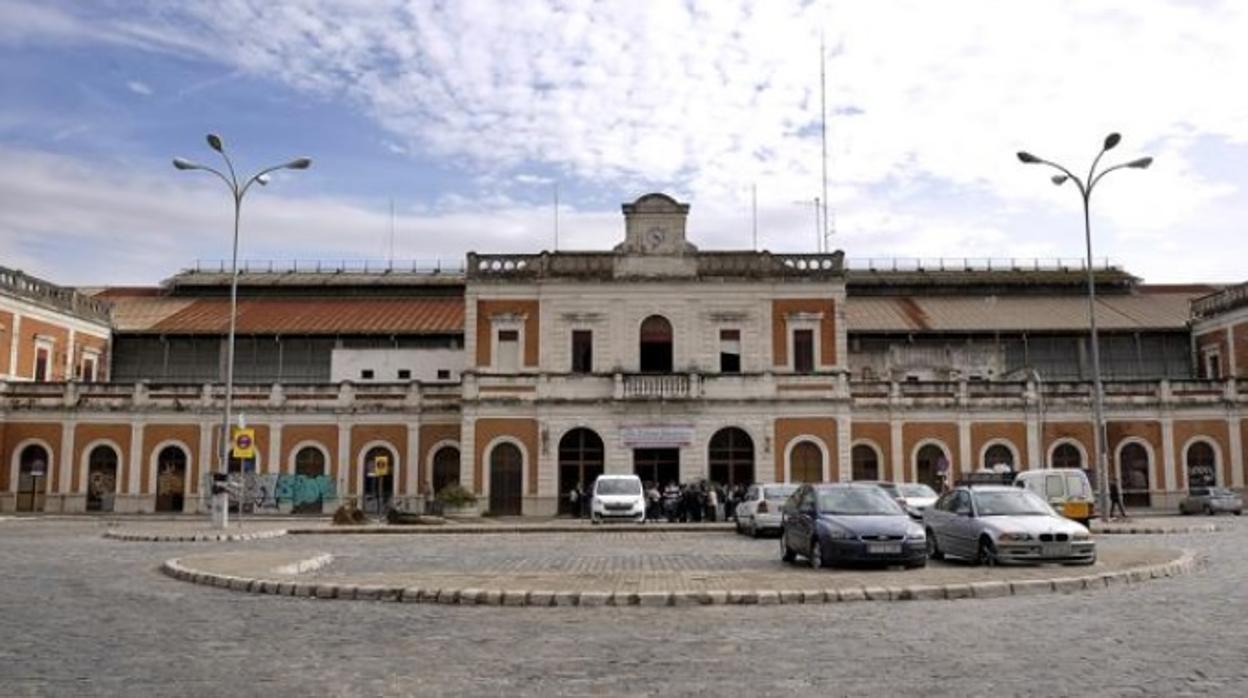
x: 243, y: 442
x: 381, y: 466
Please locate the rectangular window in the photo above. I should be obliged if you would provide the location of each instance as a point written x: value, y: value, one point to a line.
x: 88, y: 369
x: 508, y: 351
x: 730, y: 351
x: 804, y: 351
x: 366, y: 374
x: 1213, y: 366
x: 41, y: 364
x: 405, y: 374
x: 582, y: 351
x: 444, y: 374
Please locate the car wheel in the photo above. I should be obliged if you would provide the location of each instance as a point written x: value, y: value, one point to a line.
x: 754, y: 528
x: 739, y: 529
x: 1238, y: 512
x: 987, y: 554
x: 1208, y: 510
x: 933, y: 550
x: 917, y: 564
x: 786, y: 553
x: 816, y: 554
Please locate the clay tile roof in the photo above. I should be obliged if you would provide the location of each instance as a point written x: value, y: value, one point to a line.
x: 174, y: 315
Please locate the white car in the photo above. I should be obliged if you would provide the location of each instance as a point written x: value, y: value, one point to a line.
x: 618, y: 497
x: 760, y: 511
x: 916, y: 497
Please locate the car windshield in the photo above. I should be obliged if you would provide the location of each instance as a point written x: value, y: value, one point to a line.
x: 857, y: 501
x: 916, y: 490
x: 778, y: 492
x: 1011, y: 503
x: 620, y: 486
x: 1220, y: 492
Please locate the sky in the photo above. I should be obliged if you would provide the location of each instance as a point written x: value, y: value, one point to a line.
x: 467, y: 116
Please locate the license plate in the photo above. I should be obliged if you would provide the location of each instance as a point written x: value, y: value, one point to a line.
x: 884, y: 548
x: 1056, y: 549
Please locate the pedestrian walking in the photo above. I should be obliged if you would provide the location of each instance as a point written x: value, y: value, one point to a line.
x: 1115, y: 500
x: 574, y: 500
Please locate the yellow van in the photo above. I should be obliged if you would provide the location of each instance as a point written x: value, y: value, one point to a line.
x: 1067, y: 490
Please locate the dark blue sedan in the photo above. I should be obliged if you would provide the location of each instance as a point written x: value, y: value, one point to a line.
x: 849, y: 523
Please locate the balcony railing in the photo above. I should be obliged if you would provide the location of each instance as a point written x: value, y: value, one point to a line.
x: 661, y: 386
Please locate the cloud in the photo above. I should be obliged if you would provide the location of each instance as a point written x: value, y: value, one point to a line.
x: 704, y: 98
x: 140, y: 88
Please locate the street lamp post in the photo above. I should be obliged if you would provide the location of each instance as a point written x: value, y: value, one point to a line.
x: 237, y: 191
x: 1099, y: 437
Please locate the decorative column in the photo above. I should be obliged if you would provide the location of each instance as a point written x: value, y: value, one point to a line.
x: 1167, y: 453
x: 900, y: 473
x: 343, y: 471
x: 1237, y: 450
x: 136, y: 464
x: 274, y: 457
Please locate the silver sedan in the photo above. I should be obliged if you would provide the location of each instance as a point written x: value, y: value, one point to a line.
x: 993, y: 525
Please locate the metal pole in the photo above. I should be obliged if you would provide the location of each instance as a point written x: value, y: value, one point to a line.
x: 1098, y: 406
x: 229, y: 356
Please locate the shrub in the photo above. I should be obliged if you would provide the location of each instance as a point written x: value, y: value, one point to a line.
x: 348, y: 516
x: 456, y: 496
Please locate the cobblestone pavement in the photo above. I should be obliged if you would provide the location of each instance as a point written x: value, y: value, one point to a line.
x: 623, y: 562
x: 86, y: 616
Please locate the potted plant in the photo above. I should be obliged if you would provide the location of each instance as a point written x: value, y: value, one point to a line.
x: 457, y: 501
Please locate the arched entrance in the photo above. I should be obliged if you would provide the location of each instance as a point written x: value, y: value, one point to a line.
x: 998, y: 454
x: 506, y: 480
x: 929, y: 463
x: 170, y: 479
x: 32, y: 478
x: 1202, y: 463
x: 101, y: 478
x: 806, y: 462
x: 1134, y: 466
x: 307, y: 498
x: 864, y: 463
x: 379, y: 489
x: 656, y: 345
x: 445, y: 468
x: 1066, y: 455
x: 580, y: 463
x: 731, y: 457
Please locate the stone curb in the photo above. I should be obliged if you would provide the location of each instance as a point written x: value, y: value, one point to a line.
x: 133, y: 537
x: 1156, y: 530
x: 1186, y: 563
x: 460, y: 529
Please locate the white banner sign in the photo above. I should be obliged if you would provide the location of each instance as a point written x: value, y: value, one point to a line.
x: 656, y: 435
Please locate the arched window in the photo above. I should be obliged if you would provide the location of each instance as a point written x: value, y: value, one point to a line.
x: 1133, y: 461
x: 806, y: 463
x: 999, y: 454
x: 1066, y: 456
x: 32, y: 478
x: 1202, y: 463
x: 929, y: 464
x: 580, y: 463
x: 732, y: 457
x: 101, y: 478
x: 307, y: 494
x: 445, y: 468
x: 506, y: 480
x: 865, y: 463
x: 170, y: 479
x: 656, y: 345
x: 379, y: 489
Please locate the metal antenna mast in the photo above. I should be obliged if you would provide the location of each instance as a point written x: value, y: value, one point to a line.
x: 754, y: 205
x: 823, y: 127
x: 556, y: 216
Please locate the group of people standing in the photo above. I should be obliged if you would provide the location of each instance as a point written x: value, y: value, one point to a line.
x: 692, y: 502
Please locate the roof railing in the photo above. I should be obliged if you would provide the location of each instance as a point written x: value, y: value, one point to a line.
x: 70, y: 300
x: 1226, y: 299
x: 955, y: 264
x: 323, y: 266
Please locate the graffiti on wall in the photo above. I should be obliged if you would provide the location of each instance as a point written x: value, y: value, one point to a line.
x: 273, y: 491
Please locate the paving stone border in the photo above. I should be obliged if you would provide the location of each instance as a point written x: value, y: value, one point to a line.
x: 194, y: 537
x: 1150, y: 530
x: 453, y: 529
x: 1186, y: 563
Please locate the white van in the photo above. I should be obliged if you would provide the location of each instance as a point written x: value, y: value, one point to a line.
x: 618, y: 497
x: 1067, y: 490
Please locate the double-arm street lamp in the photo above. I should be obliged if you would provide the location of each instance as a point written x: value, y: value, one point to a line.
x: 1099, y: 437
x: 237, y: 191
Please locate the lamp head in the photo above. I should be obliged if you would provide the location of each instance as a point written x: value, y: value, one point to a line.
x: 1059, y: 180
x: 1141, y: 164
x: 214, y: 142
x: 263, y: 180
x: 184, y: 164
x: 298, y: 164
x: 1112, y: 140
x: 1027, y: 158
